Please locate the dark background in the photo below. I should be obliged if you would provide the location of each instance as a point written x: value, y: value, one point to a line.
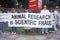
x: 11, y: 3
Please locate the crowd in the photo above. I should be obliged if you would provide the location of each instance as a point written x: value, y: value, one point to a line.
x: 54, y: 11
x: 56, y: 18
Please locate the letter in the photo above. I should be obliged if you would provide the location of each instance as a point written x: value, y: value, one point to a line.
x: 11, y: 22
x: 48, y: 22
x: 39, y: 23
x: 18, y: 22
x: 34, y: 23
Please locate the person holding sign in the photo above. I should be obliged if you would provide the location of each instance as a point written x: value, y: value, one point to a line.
x: 53, y: 21
x: 27, y: 29
x: 13, y: 10
x: 45, y: 10
x: 56, y: 17
x: 3, y: 21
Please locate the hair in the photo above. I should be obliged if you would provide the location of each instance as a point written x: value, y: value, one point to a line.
x: 13, y: 9
x: 1, y: 9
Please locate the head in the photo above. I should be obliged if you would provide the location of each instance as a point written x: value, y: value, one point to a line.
x: 26, y: 10
x: 45, y: 6
x: 57, y: 8
x: 23, y: 11
x: 1, y: 10
x: 13, y: 10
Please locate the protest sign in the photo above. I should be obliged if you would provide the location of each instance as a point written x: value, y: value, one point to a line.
x: 30, y: 20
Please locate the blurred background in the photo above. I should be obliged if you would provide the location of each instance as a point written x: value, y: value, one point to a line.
x: 24, y: 3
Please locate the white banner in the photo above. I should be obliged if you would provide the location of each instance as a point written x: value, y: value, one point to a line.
x: 30, y: 20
